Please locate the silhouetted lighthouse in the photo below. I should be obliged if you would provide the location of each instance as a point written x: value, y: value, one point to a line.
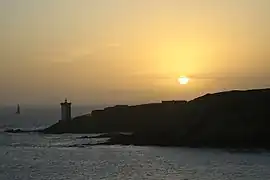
x: 65, y: 111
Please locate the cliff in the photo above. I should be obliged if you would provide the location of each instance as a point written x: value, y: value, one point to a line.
x: 225, y: 119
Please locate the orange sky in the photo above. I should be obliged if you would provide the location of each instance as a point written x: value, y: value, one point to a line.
x: 118, y: 51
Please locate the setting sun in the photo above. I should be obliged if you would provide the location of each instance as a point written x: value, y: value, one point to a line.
x: 183, y: 80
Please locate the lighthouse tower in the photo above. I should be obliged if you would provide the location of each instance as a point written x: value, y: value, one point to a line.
x: 65, y: 111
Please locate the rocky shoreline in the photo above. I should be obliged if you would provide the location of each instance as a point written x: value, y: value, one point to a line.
x: 233, y: 119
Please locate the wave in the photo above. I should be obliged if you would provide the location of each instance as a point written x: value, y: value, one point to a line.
x: 16, y: 129
x: 53, y: 145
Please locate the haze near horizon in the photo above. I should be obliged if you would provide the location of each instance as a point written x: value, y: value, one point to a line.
x: 101, y: 51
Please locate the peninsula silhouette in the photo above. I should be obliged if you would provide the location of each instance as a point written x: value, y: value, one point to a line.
x: 239, y: 119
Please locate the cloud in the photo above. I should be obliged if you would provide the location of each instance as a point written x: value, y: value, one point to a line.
x: 230, y: 76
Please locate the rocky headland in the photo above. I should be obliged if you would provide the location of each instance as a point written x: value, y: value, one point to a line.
x: 233, y: 119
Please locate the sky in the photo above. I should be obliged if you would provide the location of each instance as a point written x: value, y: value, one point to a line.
x: 130, y: 51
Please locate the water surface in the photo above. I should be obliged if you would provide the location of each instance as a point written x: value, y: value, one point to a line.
x: 61, y: 157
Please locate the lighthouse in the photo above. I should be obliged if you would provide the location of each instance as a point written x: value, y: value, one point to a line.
x: 65, y: 111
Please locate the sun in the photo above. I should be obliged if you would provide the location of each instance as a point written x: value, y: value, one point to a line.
x: 183, y: 80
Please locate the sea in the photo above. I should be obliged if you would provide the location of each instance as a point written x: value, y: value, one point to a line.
x: 66, y: 157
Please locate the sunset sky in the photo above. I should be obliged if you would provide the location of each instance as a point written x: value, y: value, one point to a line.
x: 130, y: 51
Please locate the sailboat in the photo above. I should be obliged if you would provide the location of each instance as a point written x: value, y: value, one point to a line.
x: 18, y: 109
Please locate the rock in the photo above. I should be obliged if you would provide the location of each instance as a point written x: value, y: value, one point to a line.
x: 226, y: 119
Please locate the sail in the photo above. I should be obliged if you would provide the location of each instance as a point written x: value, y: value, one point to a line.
x: 18, y: 109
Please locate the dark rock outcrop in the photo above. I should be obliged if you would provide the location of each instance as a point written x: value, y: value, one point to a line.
x: 225, y: 119
x: 23, y: 131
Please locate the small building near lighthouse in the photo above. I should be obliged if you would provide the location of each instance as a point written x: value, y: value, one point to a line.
x: 65, y: 111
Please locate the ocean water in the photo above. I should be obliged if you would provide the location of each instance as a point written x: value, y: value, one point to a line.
x: 61, y: 157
